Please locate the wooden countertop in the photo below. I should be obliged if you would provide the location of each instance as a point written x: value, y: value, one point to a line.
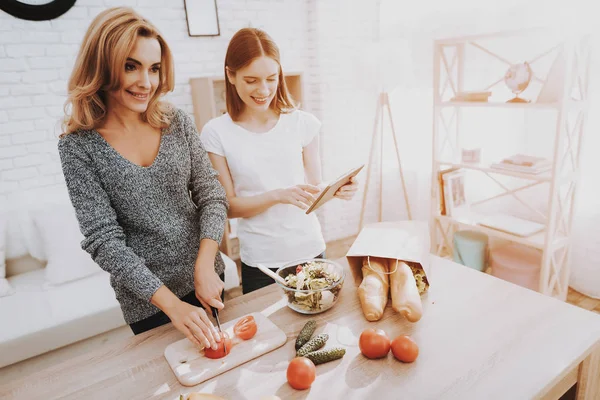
x: 479, y: 338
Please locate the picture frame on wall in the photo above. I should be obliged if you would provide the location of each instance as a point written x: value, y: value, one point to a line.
x: 202, y: 17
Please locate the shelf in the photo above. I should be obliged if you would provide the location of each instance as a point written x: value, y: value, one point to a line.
x: 571, y: 104
x: 542, y: 177
x: 494, y: 35
x: 538, y: 106
x: 470, y: 221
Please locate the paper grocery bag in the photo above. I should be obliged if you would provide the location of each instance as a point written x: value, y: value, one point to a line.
x: 399, y: 240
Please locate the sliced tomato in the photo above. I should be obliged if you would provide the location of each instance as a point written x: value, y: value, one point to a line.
x: 220, y: 351
x: 245, y: 328
x: 298, y: 269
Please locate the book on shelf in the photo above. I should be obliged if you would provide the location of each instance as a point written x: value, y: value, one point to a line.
x: 525, y: 160
x: 524, y: 163
x: 444, y: 207
x: 472, y: 96
x: 511, y: 224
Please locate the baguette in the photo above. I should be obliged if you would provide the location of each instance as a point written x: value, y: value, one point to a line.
x: 404, y: 292
x: 373, y: 291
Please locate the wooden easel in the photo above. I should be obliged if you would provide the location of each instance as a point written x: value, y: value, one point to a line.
x: 383, y: 101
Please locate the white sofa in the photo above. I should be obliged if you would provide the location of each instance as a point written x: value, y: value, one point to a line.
x: 53, y: 294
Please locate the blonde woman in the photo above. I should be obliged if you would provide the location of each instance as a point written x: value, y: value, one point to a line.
x: 149, y: 204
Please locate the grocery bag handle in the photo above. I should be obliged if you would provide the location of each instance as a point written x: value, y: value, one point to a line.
x: 384, y: 273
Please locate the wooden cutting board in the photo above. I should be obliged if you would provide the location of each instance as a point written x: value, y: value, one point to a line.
x: 191, y: 367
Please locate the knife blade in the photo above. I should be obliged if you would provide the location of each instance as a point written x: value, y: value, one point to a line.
x: 215, y: 314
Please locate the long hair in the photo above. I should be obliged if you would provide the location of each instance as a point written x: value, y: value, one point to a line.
x: 246, y: 45
x: 99, y: 66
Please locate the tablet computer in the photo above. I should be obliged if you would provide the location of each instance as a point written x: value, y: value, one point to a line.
x: 327, y: 193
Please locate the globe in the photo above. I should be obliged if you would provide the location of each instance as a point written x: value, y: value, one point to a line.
x: 517, y: 79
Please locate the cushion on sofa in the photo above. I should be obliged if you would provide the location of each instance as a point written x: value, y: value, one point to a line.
x: 3, y: 229
x: 60, y: 237
x: 23, y: 237
x: 5, y: 288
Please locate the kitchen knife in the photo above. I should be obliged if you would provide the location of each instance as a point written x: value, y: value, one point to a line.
x: 215, y: 314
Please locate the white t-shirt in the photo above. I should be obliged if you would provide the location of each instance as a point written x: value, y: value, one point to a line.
x: 261, y: 162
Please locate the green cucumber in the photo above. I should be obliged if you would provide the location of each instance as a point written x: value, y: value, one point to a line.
x: 326, y: 355
x: 306, y: 333
x: 313, y: 344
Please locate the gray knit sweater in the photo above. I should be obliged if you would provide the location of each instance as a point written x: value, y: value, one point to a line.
x: 143, y: 225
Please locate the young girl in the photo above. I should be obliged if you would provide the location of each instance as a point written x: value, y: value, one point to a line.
x: 267, y: 155
x: 147, y: 199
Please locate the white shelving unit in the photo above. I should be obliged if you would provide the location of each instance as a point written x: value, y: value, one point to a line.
x: 561, y: 180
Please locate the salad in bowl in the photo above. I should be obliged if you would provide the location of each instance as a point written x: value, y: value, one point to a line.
x: 312, y: 286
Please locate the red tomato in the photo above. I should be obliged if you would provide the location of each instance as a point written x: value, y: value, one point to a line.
x: 405, y: 349
x: 219, y: 352
x: 245, y: 328
x: 301, y: 373
x: 298, y: 269
x: 374, y: 343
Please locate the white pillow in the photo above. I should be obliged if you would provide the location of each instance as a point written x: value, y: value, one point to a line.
x: 61, y: 241
x: 30, y: 235
x: 24, y: 237
x: 16, y: 242
x: 3, y: 229
x: 5, y: 288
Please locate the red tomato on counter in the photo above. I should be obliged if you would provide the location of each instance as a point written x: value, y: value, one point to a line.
x: 301, y: 373
x: 374, y: 343
x: 405, y: 349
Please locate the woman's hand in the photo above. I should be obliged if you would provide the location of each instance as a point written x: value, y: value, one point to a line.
x: 208, y: 286
x: 190, y: 320
x: 300, y: 196
x: 347, y: 191
x: 194, y: 323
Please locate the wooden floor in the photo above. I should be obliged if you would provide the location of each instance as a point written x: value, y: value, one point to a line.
x: 581, y: 300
